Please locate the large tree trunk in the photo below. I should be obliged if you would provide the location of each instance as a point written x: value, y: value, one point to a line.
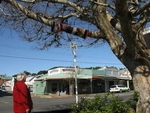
x: 141, y: 80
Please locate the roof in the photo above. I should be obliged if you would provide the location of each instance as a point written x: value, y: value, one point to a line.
x: 109, y: 77
x: 63, y: 76
x: 84, y: 74
x: 30, y: 80
x: 6, y: 78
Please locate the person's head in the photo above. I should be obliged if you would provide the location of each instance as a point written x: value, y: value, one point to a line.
x: 21, y: 77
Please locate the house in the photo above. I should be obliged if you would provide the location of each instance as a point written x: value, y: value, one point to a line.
x: 60, y: 81
x: 4, y: 78
x: 7, y: 85
x: 29, y: 82
x: 4, y: 81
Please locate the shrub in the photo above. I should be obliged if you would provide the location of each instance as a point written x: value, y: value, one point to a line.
x: 135, y: 96
x: 107, y: 104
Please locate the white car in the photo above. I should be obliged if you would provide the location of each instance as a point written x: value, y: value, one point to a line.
x: 119, y: 88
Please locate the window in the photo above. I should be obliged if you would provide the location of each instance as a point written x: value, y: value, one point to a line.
x: 54, y: 87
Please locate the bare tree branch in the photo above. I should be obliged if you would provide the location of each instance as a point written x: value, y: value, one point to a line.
x: 106, y: 5
x: 76, y: 7
x: 142, y: 9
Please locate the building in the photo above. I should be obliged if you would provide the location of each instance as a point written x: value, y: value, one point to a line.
x: 60, y: 81
x: 114, y: 75
x: 5, y: 82
x: 4, y: 78
x: 29, y: 82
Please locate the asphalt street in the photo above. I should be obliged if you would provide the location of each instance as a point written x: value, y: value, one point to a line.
x: 48, y: 104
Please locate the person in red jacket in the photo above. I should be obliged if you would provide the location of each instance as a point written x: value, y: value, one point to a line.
x: 22, y: 102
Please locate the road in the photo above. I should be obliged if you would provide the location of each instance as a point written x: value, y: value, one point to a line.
x: 44, y: 103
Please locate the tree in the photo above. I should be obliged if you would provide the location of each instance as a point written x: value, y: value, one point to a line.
x: 120, y: 23
x: 27, y: 73
x: 42, y: 72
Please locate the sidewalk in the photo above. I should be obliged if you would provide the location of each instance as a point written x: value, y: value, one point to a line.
x: 52, y: 96
x: 65, y: 96
x: 70, y: 96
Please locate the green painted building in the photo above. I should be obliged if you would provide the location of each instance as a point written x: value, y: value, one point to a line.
x: 61, y: 81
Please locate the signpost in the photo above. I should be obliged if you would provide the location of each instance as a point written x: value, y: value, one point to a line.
x: 74, y: 47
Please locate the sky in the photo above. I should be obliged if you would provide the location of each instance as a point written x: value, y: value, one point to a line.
x: 17, y: 56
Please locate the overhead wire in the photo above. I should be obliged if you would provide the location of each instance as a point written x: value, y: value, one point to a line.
x: 31, y: 58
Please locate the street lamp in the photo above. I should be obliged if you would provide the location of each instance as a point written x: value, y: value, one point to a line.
x: 74, y: 48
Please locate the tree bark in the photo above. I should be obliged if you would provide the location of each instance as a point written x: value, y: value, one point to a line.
x: 141, y: 80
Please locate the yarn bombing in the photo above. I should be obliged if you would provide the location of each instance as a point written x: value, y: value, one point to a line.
x: 64, y: 27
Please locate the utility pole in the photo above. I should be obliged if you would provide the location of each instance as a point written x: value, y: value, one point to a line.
x: 74, y: 48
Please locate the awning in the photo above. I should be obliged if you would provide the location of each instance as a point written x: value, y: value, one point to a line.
x: 62, y: 76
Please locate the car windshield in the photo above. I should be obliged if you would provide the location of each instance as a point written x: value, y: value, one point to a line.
x: 121, y: 86
x: 113, y: 86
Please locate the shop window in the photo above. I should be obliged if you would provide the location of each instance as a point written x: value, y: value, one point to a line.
x: 54, y: 87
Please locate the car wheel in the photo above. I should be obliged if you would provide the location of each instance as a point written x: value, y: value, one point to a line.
x: 120, y: 90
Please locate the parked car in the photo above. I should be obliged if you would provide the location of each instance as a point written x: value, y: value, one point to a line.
x: 119, y: 88
x: 2, y: 89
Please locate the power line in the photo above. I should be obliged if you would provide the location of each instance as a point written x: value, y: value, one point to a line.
x: 33, y: 58
x: 79, y: 56
x: 29, y: 58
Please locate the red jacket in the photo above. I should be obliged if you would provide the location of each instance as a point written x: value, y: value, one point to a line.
x: 21, y: 97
